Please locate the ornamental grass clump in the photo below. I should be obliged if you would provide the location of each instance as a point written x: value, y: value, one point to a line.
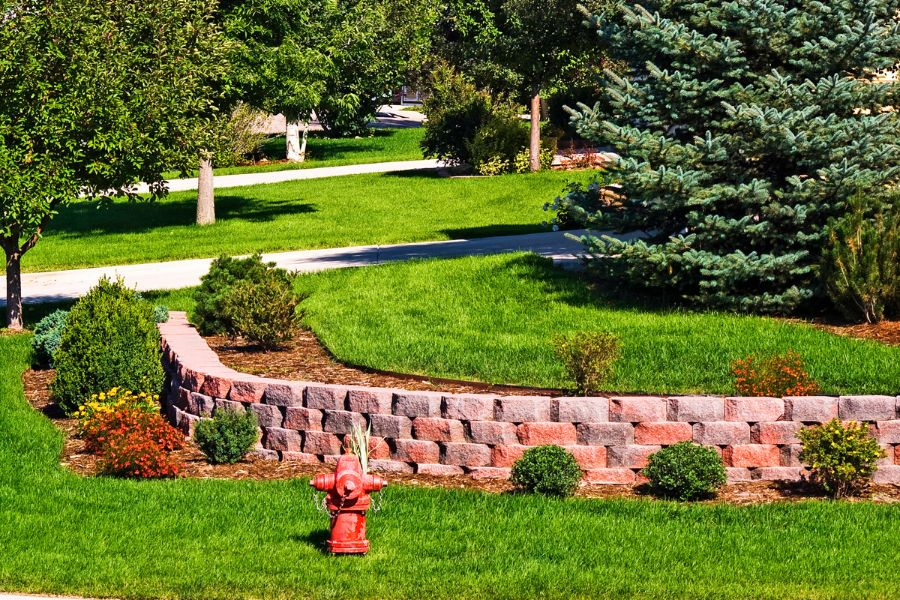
x: 228, y: 436
x: 842, y: 456
x: 776, y: 376
x: 549, y: 470
x: 685, y: 471
x: 589, y: 358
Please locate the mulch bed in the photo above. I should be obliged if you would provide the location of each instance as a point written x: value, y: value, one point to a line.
x: 886, y: 332
x: 83, y: 463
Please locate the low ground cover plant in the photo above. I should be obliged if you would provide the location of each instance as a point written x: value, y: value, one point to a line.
x: 685, y: 471
x: 549, y: 470
x: 773, y: 375
x: 110, y: 340
x: 842, y: 456
x: 589, y: 358
x: 47, y: 335
x: 227, y: 436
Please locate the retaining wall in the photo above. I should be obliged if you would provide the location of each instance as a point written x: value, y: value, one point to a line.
x: 483, y: 434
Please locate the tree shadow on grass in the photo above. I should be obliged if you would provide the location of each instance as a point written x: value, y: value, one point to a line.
x: 494, y: 230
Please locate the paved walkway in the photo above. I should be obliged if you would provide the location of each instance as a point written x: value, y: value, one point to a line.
x: 64, y: 285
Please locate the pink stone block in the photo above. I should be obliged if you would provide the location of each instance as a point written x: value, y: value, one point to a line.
x: 695, y: 408
x: 633, y: 456
x: 888, y: 432
x: 193, y: 380
x: 473, y: 407
x: 389, y: 466
x: 200, y: 405
x: 790, y: 455
x: 300, y: 457
x: 493, y: 473
x: 228, y: 405
x: 370, y: 400
x: 342, y: 421
x: 887, y: 474
x: 283, y: 440
x: 188, y: 423
x: 284, y: 393
x: 325, y: 397
x: 303, y: 419
x: 779, y: 432
x: 247, y: 390
x: 589, y: 457
x: 752, y: 455
x: 810, y: 409
x: 539, y: 434
x: 778, y: 474
x: 721, y: 433
x: 605, y: 434
x: 216, y: 386
x: 519, y: 409
x: 493, y: 433
x: 266, y: 415
x: 867, y: 408
x: 379, y: 448
x: 439, y: 470
x: 390, y: 426
x: 897, y: 455
x: 754, y: 410
x: 416, y: 451
x: 580, y: 410
x: 417, y: 404
x: 506, y: 456
x: 321, y: 443
x: 466, y: 455
x: 664, y: 434
x: 263, y: 454
x: 438, y: 430
x: 737, y: 474
x: 610, y: 476
x: 637, y: 409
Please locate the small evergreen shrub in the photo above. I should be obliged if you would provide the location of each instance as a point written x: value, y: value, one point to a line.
x: 549, y: 470
x: 861, y: 261
x: 210, y: 296
x: 161, y: 313
x: 47, y: 335
x: 685, y: 471
x: 589, y: 358
x: 227, y: 437
x: 776, y: 375
x: 110, y: 340
x: 263, y: 312
x: 841, y: 457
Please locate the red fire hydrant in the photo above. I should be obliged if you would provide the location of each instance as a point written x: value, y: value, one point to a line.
x: 347, y: 501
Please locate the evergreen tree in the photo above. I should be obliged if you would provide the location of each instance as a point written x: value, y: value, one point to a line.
x: 743, y: 127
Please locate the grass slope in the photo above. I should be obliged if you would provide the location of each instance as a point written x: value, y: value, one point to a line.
x: 318, y: 213
x: 493, y: 318
x: 241, y: 539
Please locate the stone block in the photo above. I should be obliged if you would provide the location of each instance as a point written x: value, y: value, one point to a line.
x: 282, y: 440
x: 466, y: 455
x: 887, y: 474
x: 737, y: 474
x: 636, y: 409
x: 779, y: 432
x: 605, y: 434
x: 810, y: 409
x: 778, y: 474
x: 438, y: 430
x: 216, y: 386
x: 632, y: 456
x: 390, y: 426
x: 469, y: 407
x: 897, y: 455
x: 417, y: 404
x: 721, y: 433
x: 753, y: 410
x: 201, y: 405
x: 580, y: 410
x: 439, y: 470
x: 506, y: 456
x: 867, y: 408
x: 752, y: 455
x: 287, y: 393
x: 539, y: 434
x: 321, y: 443
x: 267, y: 415
x: 694, y: 409
x: 263, y: 454
x: 664, y: 434
x: 589, y: 457
x: 342, y: 421
x: 247, y: 390
x: 389, y: 466
x: 790, y: 455
x: 493, y: 432
x: 228, y: 405
x: 302, y: 419
x: 888, y: 432
x: 520, y: 409
x: 325, y: 397
x: 610, y: 476
x: 379, y: 448
x: 492, y: 473
x: 300, y: 457
x: 193, y: 379
x: 370, y: 400
x: 416, y: 451
x: 187, y: 423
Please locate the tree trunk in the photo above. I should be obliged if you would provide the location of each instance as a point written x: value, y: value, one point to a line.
x: 13, y: 284
x: 206, y: 194
x: 303, y: 141
x: 535, y: 146
x: 293, y: 150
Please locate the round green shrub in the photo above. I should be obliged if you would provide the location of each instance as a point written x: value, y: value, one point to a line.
x: 110, y: 340
x: 227, y: 437
x: 161, y: 313
x: 685, y: 471
x: 211, y: 296
x: 47, y: 335
x: 841, y: 456
x: 548, y: 470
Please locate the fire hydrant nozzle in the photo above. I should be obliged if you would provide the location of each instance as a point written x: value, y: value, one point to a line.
x: 348, y: 500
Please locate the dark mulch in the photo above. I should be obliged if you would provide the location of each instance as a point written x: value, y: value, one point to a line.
x: 77, y: 460
x: 886, y: 332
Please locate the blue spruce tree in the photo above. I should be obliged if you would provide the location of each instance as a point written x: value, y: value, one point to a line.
x: 743, y: 127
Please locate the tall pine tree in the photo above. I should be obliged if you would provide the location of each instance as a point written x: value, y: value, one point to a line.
x: 743, y: 127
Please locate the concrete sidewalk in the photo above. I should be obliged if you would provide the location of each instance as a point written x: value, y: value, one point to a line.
x: 65, y: 285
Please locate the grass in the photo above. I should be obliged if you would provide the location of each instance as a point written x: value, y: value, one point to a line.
x: 207, y: 539
x: 318, y: 213
x: 384, y: 145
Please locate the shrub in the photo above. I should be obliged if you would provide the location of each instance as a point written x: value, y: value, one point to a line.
x: 522, y: 162
x: 548, y: 470
x: 263, y: 312
x: 500, y: 139
x: 776, y: 375
x: 131, y: 454
x: 160, y: 313
x: 456, y: 110
x: 227, y: 437
x: 47, y: 335
x: 100, y: 428
x: 589, y: 358
x: 112, y: 401
x: 861, y: 261
x: 110, y: 340
x: 841, y: 456
x: 685, y: 471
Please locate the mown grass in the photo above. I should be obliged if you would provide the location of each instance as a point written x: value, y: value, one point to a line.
x: 384, y: 145
x: 493, y: 318
x: 206, y: 539
x: 318, y: 213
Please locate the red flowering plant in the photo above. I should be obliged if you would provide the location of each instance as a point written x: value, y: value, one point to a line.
x: 102, y: 427
x: 776, y: 375
x: 133, y: 454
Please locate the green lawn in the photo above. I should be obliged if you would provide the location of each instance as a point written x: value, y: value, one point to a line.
x: 384, y: 145
x: 318, y: 213
x: 206, y: 539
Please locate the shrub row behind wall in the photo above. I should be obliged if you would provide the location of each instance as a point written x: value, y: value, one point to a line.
x: 483, y: 434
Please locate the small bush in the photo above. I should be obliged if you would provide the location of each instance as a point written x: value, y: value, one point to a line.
x: 131, y: 454
x: 522, y: 163
x: 264, y: 312
x: 99, y: 428
x: 861, y: 261
x: 456, y: 110
x: 589, y: 358
x: 210, y: 296
x: 227, y: 437
x: 776, y: 375
x: 548, y: 470
x: 685, y: 471
x: 841, y: 456
x: 113, y: 401
x: 110, y: 340
x: 500, y: 139
x: 161, y: 313
x: 47, y: 335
